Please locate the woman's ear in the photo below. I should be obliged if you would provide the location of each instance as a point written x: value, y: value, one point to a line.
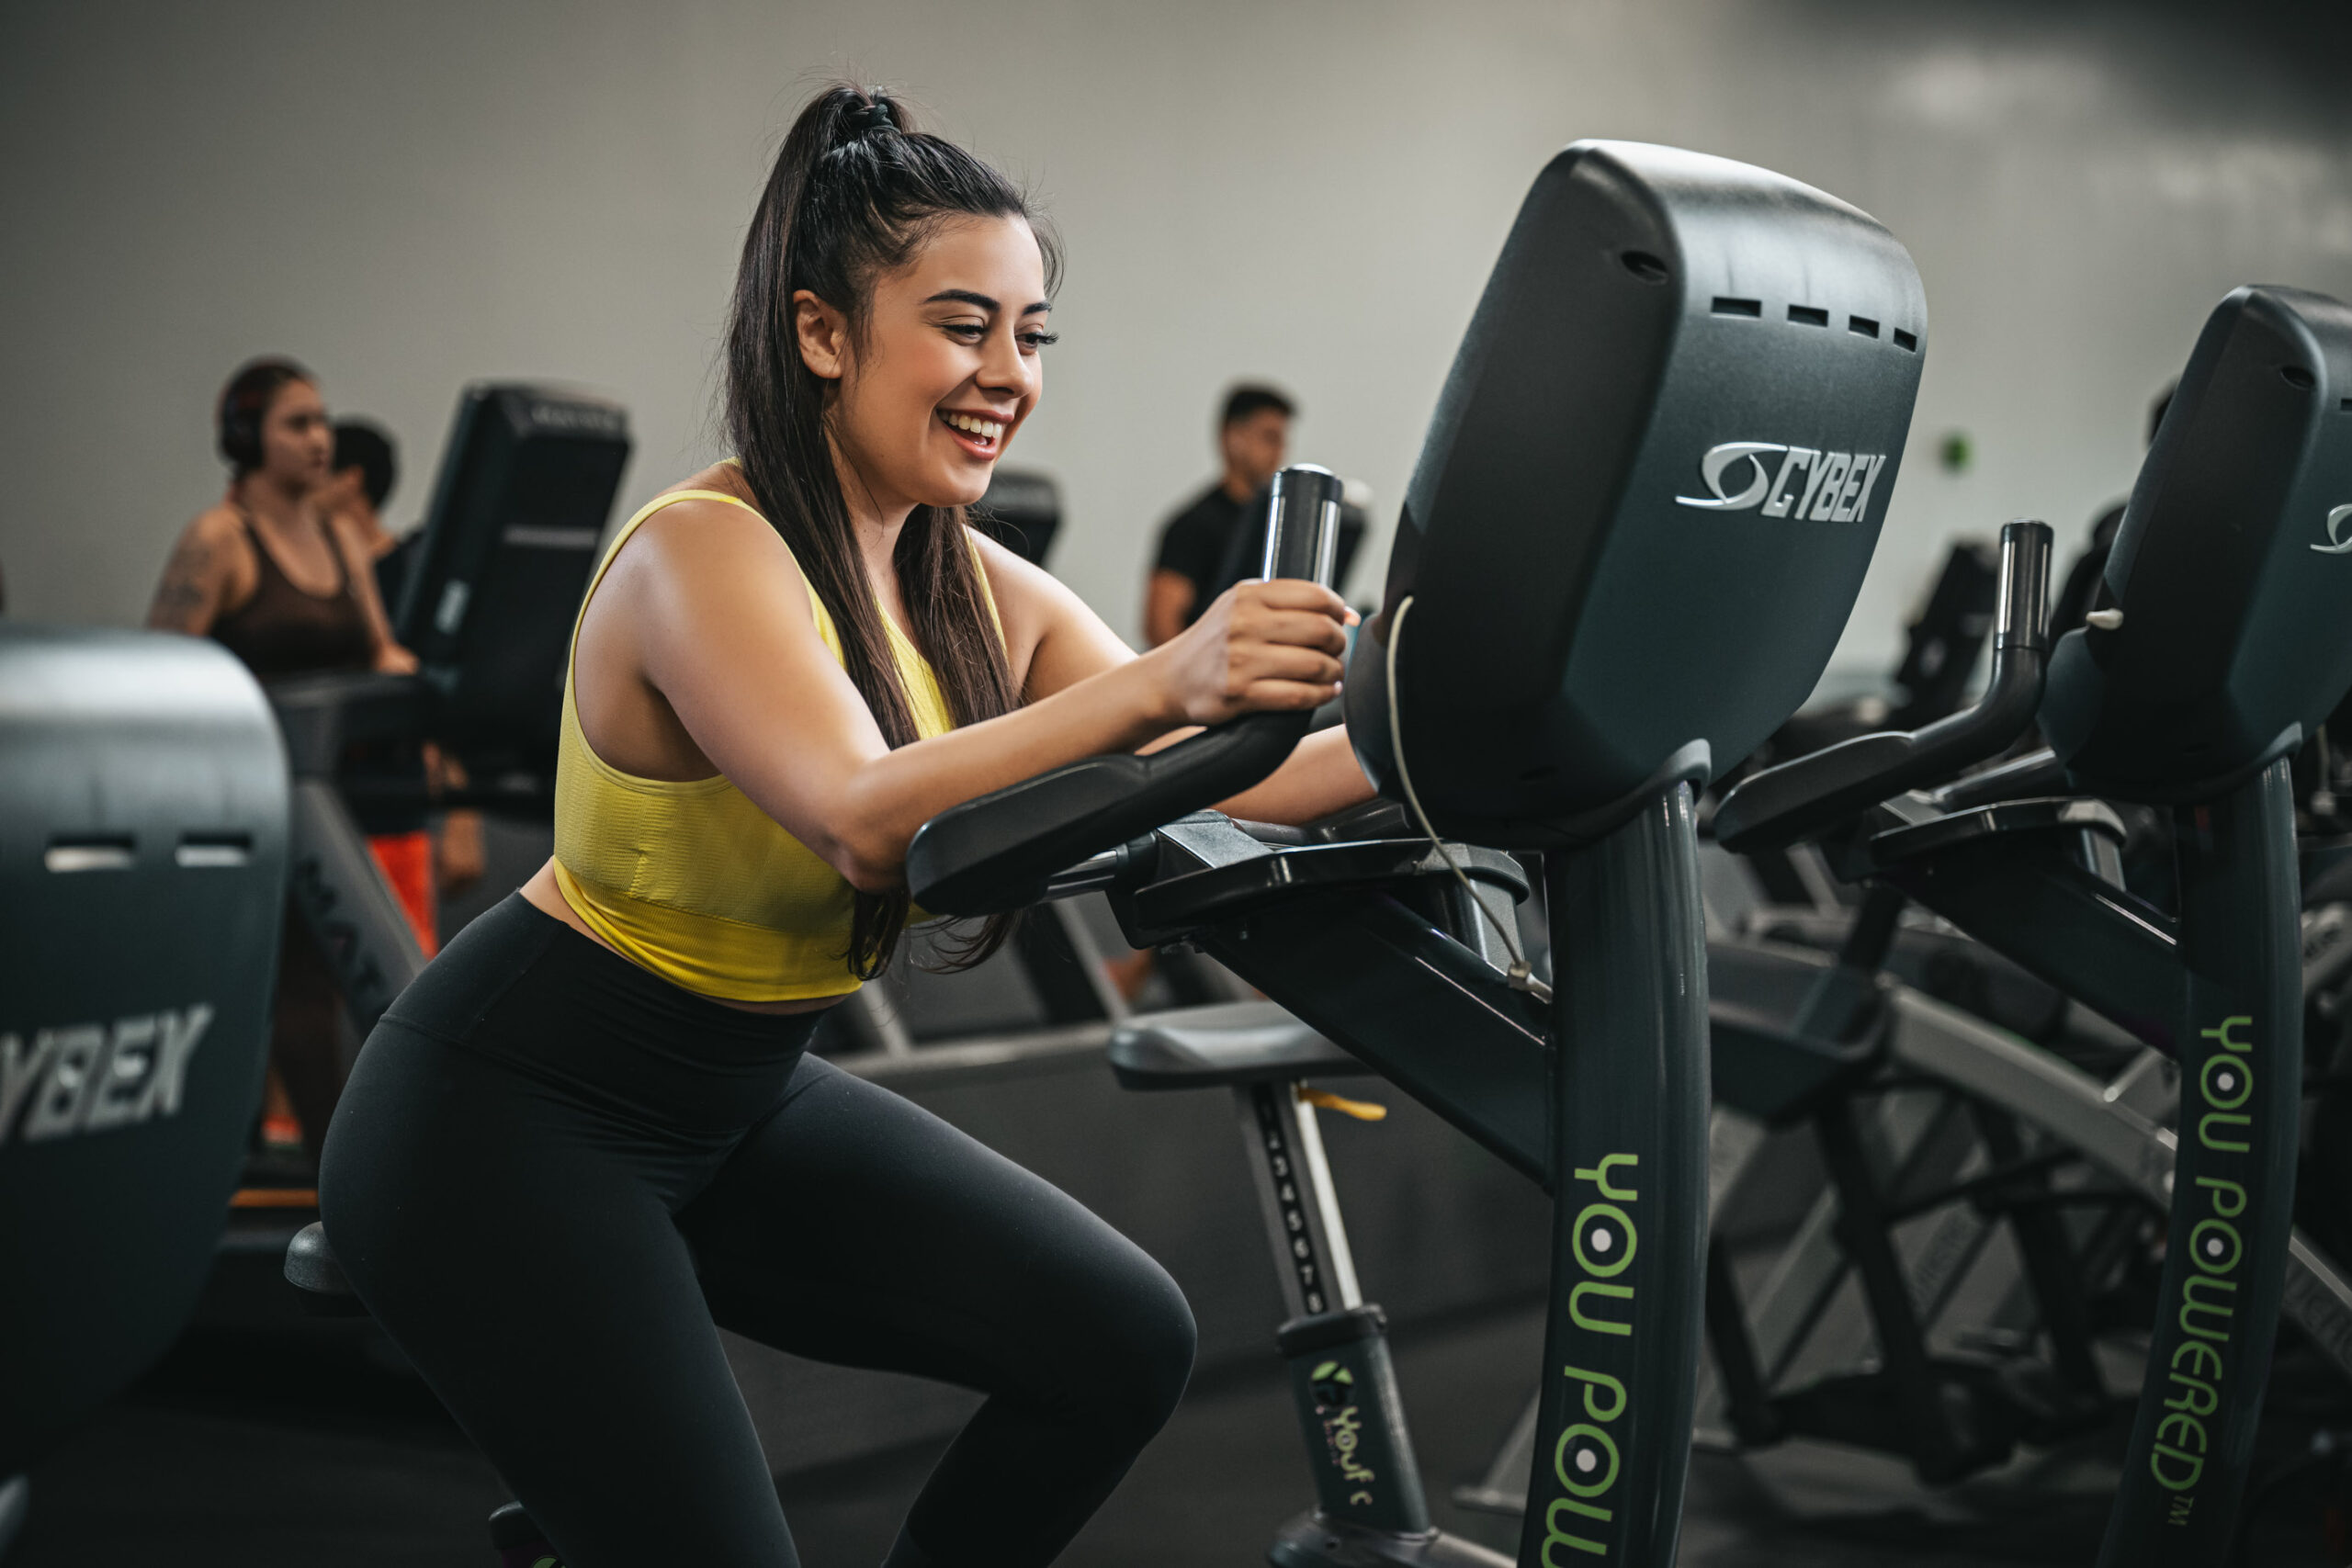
x: 823, y: 333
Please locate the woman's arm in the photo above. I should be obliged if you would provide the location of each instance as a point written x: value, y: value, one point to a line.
x: 359, y: 565
x: 717, y: 620
x: 1067, y: 643
x: 199, y: 580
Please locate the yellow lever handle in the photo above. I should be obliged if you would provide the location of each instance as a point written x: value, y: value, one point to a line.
x: 1361, y: 1110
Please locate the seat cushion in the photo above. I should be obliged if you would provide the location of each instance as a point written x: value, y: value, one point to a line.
x: 1236, y: 1042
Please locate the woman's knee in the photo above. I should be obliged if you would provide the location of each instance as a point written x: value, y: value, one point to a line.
x: 1149, y: 1341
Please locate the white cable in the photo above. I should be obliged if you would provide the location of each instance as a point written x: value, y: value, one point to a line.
x: 1522, y: 978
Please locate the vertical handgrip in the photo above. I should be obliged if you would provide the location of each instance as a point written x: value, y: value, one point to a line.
x: 998, y: 852
x: 1816, y: 793
x: 2024, y: 608
x: 1302, y: 524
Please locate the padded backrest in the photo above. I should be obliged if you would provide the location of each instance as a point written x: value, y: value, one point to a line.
x: 1651, y: 488
x: 524, y: 491
x: 2233, y: 568
x: 142, y: 868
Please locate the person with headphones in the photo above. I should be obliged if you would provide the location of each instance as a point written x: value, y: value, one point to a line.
x: 589, y: 1135
x: 271, y: 575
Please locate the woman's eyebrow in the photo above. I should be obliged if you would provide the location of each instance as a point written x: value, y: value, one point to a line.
x: 970, y: 296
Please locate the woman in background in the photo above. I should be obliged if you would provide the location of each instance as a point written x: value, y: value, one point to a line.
x: 271, y: 575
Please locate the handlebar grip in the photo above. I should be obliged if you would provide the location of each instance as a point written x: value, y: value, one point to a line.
x: 997, y: 852
x: 1813, y: 793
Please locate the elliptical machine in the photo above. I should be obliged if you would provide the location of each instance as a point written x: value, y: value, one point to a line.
x: 1609, y: 579
x: 2216, y: 645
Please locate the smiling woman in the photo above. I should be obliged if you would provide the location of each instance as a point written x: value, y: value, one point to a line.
x: 588, y: 1135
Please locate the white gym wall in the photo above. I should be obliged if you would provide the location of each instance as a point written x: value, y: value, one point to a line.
x: 410, y: 195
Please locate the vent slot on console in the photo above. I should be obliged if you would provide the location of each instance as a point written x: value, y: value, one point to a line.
x: 211, y: 851
x: 1809, y: 315
x: 1905, y: 341
x: 1725, y: 306
x: 105, y: 852
x: 1861, y: 326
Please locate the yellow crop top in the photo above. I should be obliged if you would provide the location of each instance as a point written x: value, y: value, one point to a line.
x: 691, y: 880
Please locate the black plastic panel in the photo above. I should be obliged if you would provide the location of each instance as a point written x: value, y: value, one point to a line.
x: 2233, y: 568
x: 143, y: 870
x: 518, y: 510
x: 1619, y: 539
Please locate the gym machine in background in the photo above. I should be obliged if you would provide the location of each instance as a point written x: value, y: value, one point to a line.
x: 142, y: 871
x: 509, y: 545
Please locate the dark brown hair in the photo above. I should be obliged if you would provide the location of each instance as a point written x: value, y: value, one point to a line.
x: 244, y: 404
x: 855, y: 193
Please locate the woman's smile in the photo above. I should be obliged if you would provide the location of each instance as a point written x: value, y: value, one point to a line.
x: 982, y: 435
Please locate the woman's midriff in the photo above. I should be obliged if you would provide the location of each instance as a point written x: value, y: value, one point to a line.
x: 543, y: 894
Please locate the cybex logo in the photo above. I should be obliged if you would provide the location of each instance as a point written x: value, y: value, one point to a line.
x: 1835, y: 486
x: 2336, y: 545
x: 88, y: 1077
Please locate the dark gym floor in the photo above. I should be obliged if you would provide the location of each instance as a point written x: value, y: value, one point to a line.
x: 261, y: 1453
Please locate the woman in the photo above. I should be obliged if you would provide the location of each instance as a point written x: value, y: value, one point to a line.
x: 588, y: 1132
x: 291, y: 590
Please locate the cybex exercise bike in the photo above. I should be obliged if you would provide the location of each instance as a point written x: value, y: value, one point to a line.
x: 1650, y: 491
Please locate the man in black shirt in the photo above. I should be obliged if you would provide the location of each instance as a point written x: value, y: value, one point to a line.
x: 1252, y: 439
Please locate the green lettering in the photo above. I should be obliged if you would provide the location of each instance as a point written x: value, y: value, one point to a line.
x: 1555, y: 1535
x: 2224, y: 1189
x: 1598, y: 1176
x: 2196, y: 1467
x: 1585, y: 1462
x: 2199, y: 1353
x: 2223, y: 1033
x: 1623, y: 1240
x: 2190, y: 1303
x: 2190, y: 1427
x: 1576, y: 1307
x: 2214, y: 1246
x: 2198, y: 1397
x: 2220, y: 1076
x: 2222, y: 1146
x: 1595, y: 1383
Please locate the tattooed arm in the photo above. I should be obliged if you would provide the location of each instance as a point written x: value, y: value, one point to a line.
x: 202, y: 579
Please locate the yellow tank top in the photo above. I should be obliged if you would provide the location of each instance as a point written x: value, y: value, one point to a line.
x: 691, y: 880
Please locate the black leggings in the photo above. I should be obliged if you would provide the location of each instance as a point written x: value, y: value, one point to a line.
x: 554, y: 1175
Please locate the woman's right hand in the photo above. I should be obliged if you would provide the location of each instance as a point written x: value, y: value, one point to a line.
x: 1260, y: 647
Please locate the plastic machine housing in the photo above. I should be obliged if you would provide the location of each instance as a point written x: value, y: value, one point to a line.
x: 517, y: 513
x: 2237, y: 541
x: 1022, y: 510
x: 1634, y: 522
x: 142, y: 871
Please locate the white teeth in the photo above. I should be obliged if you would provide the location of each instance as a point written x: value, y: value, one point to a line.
x: 986, y: 429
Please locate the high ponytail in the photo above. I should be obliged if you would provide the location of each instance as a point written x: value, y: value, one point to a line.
x: 856, y: 190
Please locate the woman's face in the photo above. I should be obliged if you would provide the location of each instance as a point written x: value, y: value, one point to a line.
x: 296, y: 442
x: 948, y: 367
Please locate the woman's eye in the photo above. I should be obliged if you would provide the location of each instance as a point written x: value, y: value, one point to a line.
x: 970, y: 332
x: 1036, y: 341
